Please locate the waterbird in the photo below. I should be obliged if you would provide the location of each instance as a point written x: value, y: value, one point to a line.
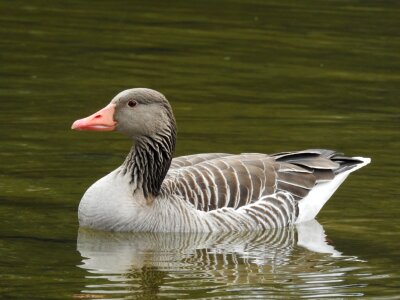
x: 211, y: 192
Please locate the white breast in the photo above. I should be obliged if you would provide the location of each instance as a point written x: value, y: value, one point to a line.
x: 108, y: 204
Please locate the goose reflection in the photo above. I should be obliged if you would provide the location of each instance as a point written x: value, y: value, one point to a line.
x: 180, y: 265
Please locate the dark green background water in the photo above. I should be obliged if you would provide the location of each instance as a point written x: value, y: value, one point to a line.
x: 253, y: 76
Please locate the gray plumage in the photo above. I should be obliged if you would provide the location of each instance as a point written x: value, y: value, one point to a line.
x: 205, y: 192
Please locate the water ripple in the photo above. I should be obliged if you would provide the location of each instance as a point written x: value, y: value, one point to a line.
x: 209, y: 266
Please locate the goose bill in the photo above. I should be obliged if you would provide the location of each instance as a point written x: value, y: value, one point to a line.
x: 103, y: 120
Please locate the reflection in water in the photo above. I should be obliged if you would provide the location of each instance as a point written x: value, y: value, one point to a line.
x: 295, y: 260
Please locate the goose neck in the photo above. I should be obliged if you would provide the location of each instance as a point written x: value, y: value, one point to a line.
x: 148, y: 163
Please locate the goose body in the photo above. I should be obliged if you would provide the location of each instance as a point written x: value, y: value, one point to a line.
x: 152, y: 192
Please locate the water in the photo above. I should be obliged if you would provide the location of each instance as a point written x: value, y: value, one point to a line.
x: 259, y: 76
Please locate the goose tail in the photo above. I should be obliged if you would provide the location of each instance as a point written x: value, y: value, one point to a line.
x: 310, y: 205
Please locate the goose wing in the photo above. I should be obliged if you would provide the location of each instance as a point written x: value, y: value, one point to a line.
x: 237, y: 180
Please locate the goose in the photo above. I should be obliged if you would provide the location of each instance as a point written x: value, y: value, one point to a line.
x: 211, y: 192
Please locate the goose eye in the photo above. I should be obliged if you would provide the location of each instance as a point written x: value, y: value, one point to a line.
x: 132, y: 103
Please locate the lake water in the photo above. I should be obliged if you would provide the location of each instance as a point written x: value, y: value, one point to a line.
x: 242, y: 76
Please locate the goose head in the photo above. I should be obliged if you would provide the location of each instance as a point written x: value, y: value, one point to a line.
x: 137, y: 112
x: 145, y: 116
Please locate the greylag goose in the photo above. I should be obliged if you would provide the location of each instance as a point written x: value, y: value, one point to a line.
x: 151, y: 191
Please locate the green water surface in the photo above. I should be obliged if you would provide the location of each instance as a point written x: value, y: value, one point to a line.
x: 242, y: 76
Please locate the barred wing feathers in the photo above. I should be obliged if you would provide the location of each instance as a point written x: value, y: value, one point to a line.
x: 260, y: 184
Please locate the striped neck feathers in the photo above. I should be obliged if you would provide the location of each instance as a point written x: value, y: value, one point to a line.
x: 149, y: 160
